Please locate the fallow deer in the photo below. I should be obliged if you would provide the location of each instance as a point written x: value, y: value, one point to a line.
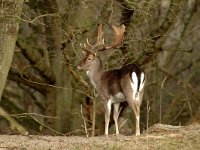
x: 114, y: 86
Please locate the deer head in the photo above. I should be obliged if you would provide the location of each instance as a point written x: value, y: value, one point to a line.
x: 91, y: 58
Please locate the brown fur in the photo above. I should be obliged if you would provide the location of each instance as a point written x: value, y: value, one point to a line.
x: 110, y: 83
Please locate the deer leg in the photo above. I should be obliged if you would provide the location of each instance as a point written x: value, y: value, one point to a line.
x: 137, y: 121
x: 107, y: 115
x: 115, y: 116
x: 138, y: 101
x: 136, y: 110
x: 134, y: 99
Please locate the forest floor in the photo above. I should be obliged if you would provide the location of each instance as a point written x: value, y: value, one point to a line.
x: 164, y: 137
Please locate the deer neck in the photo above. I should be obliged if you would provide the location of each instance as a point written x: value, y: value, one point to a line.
x: 95, y: 72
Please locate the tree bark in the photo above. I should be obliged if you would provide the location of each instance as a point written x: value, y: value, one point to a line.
x: 9, y: 25
x: 59, y: 97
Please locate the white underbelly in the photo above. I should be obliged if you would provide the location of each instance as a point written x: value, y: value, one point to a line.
x: 117, y: 98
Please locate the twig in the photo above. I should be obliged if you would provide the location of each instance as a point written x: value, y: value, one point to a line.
x: 121, y: 125
x: 30, y: 114
x: 94, y: 114
x: 85, y: 125
x: 59, y: 133
x: 148, y: 110
x: 162, y: 85
x: 30, y: 21
x: 73, y: 73
x: 53, y: 86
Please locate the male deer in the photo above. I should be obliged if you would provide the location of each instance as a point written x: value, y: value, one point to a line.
x: 114, y: 86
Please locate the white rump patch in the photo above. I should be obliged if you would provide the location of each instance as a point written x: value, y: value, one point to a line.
x: 141, y: 81
x: 134, y: 84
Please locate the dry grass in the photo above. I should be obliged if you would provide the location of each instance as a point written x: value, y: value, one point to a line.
x: 159, y: 137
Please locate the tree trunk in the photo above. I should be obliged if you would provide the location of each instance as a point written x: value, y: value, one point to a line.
x: 58, y: 104
x: 9, y: 25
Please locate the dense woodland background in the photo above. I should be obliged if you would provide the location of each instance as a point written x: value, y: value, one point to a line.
x: 44, y: 93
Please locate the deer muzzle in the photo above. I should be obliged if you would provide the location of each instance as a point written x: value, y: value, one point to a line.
x: 78, y: 67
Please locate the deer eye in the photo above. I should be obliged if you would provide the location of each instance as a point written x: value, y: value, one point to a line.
x: 89, y: 58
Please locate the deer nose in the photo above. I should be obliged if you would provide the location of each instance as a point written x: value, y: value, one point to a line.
x: 78, y: 67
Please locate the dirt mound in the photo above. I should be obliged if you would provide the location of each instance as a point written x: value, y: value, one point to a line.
x: 158, y: 136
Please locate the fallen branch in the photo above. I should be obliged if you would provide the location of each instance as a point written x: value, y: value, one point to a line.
x: 14, y: 125
x: 164, y: 128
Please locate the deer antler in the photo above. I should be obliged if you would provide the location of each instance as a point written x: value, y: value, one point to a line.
x: 100, y: 45
x: 100, y: 39
x: 84, y: 47
x: 118, y: 36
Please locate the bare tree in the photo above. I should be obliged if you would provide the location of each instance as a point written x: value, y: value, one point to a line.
x: 9, y: 25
